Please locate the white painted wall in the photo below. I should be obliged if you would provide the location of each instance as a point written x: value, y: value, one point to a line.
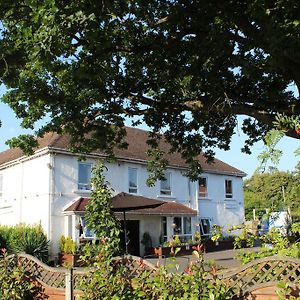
x: 222, y: 211
x: 26, y: 193
x: 32, y: 195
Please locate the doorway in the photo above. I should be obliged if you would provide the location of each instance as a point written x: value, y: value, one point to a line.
x: 133, y: 230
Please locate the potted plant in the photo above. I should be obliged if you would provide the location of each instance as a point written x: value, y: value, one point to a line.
x: 68, y: 252
x: 216, y: 233
x: 147, y: 242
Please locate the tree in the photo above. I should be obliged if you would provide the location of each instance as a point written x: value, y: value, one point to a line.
x: 274, y: 191
x: 99, y: 215
x: 188, y: 68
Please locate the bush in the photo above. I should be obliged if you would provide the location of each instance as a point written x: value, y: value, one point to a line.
x: 24, y: 238
x: 111, y: 280
x: 67, y: 245
x: 15, y: 283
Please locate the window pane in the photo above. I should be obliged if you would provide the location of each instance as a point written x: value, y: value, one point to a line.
x: 164, y: 226
x: 187, y: 225
x: 228, y: 188
x: 132, y: 177
x: 165, y: 185
x: 177, y: 225
x: 205, y: 226
x: 202, y: 187
x: 87, y: 233
x: 84, y: 176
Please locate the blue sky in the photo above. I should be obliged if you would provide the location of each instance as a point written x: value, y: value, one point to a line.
x: 247, y: 163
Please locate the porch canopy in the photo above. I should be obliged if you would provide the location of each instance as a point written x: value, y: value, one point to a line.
x: 128, y: 203
x: 137, y: 205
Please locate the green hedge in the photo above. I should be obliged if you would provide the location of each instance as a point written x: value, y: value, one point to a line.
x: 24, y: 238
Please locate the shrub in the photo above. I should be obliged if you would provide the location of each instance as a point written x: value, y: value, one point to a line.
x: 24, y: 238
x: 118, y: 281
x: 15, y: 283
x: 67, y: 245
x: 34, y: 243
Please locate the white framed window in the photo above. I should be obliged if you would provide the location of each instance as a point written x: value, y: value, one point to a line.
x: 202, y: 184
x: 165, y: 185
x: 182, y: 226
x: 205, y: 226
x: 84, y: 176
x: 164, y: 229
x: 132, y: 180
x: 228, y: 188
x: 86, y: 232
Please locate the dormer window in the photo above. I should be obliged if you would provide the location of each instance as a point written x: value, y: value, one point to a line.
x: 84, y: 176
x: 165, y: 185
x: 132, y: 181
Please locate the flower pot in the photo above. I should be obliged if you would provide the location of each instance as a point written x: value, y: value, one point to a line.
x: 72, y: 260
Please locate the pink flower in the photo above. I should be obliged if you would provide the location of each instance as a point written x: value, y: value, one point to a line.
x: 188, y: 269
x: 198, y: 248
x: 214, y: 270
x: 3, y: 250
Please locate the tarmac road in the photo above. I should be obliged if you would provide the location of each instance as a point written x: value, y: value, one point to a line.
x: 223, y: 259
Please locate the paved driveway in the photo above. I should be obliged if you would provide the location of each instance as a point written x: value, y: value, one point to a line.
x: 223, y: 259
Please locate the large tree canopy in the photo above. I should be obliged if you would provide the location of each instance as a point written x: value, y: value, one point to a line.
x: 274, y: 191
x: 187, y: 67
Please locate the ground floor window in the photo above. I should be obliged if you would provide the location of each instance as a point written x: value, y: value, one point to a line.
x: 164, y: 230
x: 85, y: 232
x: 182, y: 226
x: 205, y: 226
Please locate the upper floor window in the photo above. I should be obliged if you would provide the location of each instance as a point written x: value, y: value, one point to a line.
x: 84, y: 176
x: 228, y: 188
x: 202, y: 182
x: 132, y: 181
x: 165, y: 185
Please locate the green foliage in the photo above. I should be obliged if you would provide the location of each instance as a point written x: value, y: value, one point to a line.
x: 270, y: 154
x: 176, y: 240
x: 187, y: 68
x: 197, y: 237
x: 272, y: 190
x: 99, y: 215
x: 112, y: 280
x: 23, y: 238
x: 216, y: 233
x: 272, y: 243
x: 15, y: 283
x: 244, y: 239
x: 284, y: 291
x: 67, y: 245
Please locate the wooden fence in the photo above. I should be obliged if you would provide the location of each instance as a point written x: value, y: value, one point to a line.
x: 259, y: 278
x: 256, y: 280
